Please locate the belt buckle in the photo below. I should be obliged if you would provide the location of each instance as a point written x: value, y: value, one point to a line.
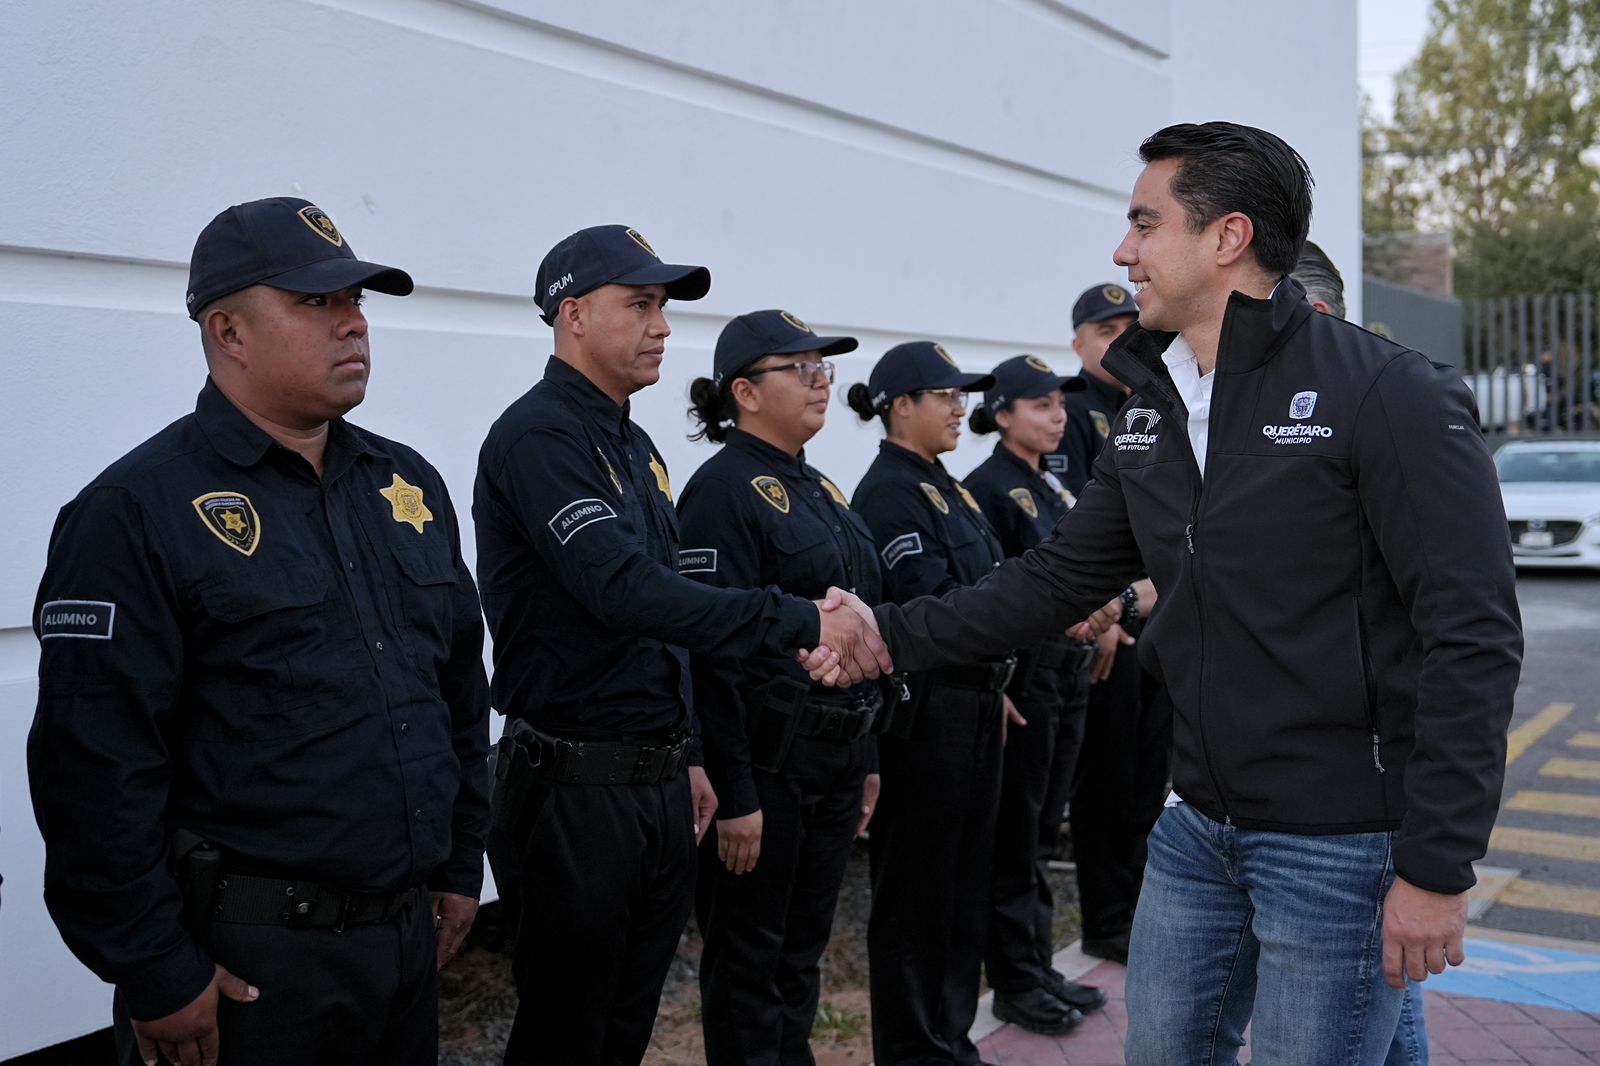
x: 648, y: 766
x: 832, y: 723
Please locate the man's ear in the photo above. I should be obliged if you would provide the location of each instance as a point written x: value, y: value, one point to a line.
x: 1322, y: 305
x: 573, y: 314
x: 223, y: 331
x: 1235, y: 234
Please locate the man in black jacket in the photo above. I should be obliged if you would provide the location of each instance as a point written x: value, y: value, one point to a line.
x: 1338, y: 629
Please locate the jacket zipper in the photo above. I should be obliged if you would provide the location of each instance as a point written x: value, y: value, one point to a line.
x: 1366, y: 690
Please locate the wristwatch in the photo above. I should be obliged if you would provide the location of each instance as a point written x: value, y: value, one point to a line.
x: 1130, y: 604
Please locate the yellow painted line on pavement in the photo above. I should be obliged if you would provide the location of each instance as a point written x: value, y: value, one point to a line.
x: 1578, y: 769
x: 1533, y: 730
x: 1541, y: 897
x: 1585, y: 740
x: 1554, y: 803
x: 1546, y: 843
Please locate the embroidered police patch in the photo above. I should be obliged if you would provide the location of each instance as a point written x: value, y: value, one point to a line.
x: 407, y: 502
x: 900, y: 547
x: 772, y: 490
x: 232, y: 517
x: 697, y: 560
x: 616, y: 481
x: 833, y: 490
x: 1038, y: 364
x: 1102, y: 424
x: 638, y: 239
x: 794, y: 320
x: 1115, y: 295
x: 934, y: 497
x: 578, y: 514
x: 942, y: 354
x: 1025, y: 501
x: 967, y: 496
x: 84, y: 619
x: 661, y: 477
x: 321, y: 225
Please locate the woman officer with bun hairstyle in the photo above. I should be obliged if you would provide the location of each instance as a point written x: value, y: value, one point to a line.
x: 789, y: 759
x: 1023, y: 502
x: 941, y: 749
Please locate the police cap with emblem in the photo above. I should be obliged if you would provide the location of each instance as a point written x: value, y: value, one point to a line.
x: 285, y: 243
x: 610, y: 255
x: 762, y: 333
x: 918, y: 365
x: 1100, y: 302
x: 1022, y: 377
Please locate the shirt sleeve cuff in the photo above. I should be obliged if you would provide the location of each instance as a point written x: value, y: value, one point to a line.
x: 802, y: 625
x: 168, y: 984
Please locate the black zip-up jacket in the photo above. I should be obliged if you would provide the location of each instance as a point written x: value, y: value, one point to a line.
x: 1338, y: 623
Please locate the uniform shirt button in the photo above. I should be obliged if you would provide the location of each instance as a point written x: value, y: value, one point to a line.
x: 378, y: 645
x: 419, y: 814
x: 814, y: 493
x: 836, y: 529
x: 405, y: 727
x: 348, y: 565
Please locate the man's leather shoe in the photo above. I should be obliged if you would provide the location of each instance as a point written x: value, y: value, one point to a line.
x: 1083, y: 998
x: 1114, y: 948
x: 1036, y: 1011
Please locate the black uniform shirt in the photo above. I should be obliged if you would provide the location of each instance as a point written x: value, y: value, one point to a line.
x: 753, y: 515
x: 578, y: 560
x: 288, y: 666
x: 930, y: 533
x: 1089, y: 417
x: 1017, y: 499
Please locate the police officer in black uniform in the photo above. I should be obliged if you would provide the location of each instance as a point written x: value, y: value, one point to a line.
x: 788, y: 758
x: 1126, y: 751
x: 596, y: 813
x: 262, y: 716
x: 1023, y: 502
x: 940, y: 756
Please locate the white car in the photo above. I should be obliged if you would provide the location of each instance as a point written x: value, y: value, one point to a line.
x: 1551, y: 490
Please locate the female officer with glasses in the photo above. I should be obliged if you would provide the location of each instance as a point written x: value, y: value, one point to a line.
x: 1023, y: 502
x: 941, y: 749
x: 789, y: 759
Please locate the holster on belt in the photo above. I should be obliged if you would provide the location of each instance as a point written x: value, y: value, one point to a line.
x: 515, y: 771
x: 773, y: 711
x: 901, y: 706
x: 197, y: 864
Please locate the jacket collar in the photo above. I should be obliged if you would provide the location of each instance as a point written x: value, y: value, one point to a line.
x: 750, y: 444
x: 586, y: 395
x: 934, y: 471
x: 1015, y: 461
x: 243, y: 443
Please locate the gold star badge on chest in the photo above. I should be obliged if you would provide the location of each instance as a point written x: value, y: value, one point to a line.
x: 661, y: 477
x: 407, y: 502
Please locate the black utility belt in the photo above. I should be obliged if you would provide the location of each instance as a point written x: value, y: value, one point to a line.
x: 245, y: 899
x: 598, y: 762
x: 982, y: 677
x: 845, y: 724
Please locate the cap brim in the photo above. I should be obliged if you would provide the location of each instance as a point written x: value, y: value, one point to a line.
x: 331, y: 275
x: 682, y: 282
x: 1046, y: 385
x: 964, y: 382
x: 1111, y: 311
x: 824, y: 345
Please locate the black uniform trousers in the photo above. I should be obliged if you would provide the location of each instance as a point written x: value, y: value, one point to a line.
x: 367, y: 995
x: 604, y: 890
x: 1122, y: 782
x: 765, y: 930
x: 931, y: 843
x: 1070, y: 725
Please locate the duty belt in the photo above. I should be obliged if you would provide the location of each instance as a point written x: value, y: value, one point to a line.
x: 601, y: 762
x: 984, y: 677
x: 835, y: 722
x: 244, y: 899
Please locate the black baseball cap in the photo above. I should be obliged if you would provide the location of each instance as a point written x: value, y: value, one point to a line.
x: 918, y: 365
x: 285, y: 243
x: 1100, y: 302
x: 1023, y: 377
x: 761, y: 333
x: 610, y: 255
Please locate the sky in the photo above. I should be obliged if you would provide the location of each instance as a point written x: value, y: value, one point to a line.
x: 1390, y: 33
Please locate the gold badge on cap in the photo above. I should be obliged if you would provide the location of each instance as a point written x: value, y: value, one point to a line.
x: 661, y: 477
x: 638, y: 239
x: 610, y: 470
x: 1025, y: 501
x: 1102, y: 424
x: 772, y: 490
x: 794, y: 321
x: 939, y: 350
x: 1038, y: 364
x: 232, y: 517
x: 934, y: 497
x: 1115, y: 294
x: 833, y: 490
x: 967, y: 496
x: 321, y: 224
x: 407, y: 502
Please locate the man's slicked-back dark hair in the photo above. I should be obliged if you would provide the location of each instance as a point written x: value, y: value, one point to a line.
x: 1224, y: 167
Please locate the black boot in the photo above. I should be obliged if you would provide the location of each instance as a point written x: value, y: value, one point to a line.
x: 1082, y: 998
x: 1037, y: 1011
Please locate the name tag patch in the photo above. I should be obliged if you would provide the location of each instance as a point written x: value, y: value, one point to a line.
x: 578, y: 514
x: 900, y: 547
x: 697, y: 561
x: 84, y: 619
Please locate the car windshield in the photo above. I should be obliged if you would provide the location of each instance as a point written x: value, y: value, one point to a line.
x: 1553, y: 465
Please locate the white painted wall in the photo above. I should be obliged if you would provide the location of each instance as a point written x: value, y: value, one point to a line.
x: 953, y: 169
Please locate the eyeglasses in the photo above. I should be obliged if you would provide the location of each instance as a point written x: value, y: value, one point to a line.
x: 954, y: 397
x: 811, y: 374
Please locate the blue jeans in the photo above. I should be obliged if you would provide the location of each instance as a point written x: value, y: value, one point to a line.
x: 1233, y: 923
x: 1410, y: 1047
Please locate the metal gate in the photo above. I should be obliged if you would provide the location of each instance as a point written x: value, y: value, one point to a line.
x: 1532, y: 362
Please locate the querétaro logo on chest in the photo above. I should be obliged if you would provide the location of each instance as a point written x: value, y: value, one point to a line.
x: 1140, y: 434
x: 579, y: 514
